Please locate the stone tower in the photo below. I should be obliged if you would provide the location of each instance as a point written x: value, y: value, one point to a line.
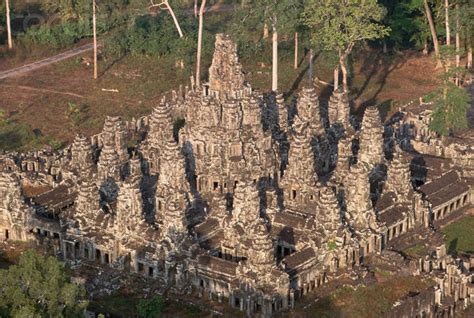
x: 399, y: 175
x: 226, y: 78
x: 161, y: 130
x: 308, y: 110
x: 339, y: 109
x: 371, y: 139
x: 299, y: 179
x: 359, y: 211
x: 81, y: 155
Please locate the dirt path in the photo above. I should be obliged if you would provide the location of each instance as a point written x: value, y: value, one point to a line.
x: 43, y: 90
x: 48, y: 61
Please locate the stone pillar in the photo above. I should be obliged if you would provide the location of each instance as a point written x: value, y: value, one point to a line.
x: 292, y: 298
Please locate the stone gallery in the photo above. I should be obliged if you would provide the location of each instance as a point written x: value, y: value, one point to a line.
x: 253, y: 201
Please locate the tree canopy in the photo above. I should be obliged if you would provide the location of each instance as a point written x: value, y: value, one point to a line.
x: 39, y: 286
x: 450, y: 101
x: 151, y: 308
x: 340, y: 24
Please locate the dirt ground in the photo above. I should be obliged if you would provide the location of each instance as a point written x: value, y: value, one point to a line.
x: 41, y: 99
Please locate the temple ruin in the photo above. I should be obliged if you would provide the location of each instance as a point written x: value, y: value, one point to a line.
x: 254, y: 201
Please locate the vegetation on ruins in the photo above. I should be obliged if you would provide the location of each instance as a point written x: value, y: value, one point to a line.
x: 458, y: 235
x: 151, y: 308
x: 451, y: 102
x: 340, y: 25
x: 40, y: 286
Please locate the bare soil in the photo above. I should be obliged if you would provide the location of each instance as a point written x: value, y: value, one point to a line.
x: 41, y: 98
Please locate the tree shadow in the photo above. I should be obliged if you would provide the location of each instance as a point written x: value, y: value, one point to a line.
x: 453, y: 245
x: 376, y: 67
x: 112, y: 64
x: 300, y: 77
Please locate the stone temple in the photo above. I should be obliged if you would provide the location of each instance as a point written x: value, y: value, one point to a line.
x: 253, y: 202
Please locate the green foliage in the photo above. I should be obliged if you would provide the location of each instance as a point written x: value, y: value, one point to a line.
x: 450, y: 101
x: 407, y: 22
x: 281, y: 14
x: 157, y: 37
x: 151, y: 308
x: 75, y: 113
x: 332, y: 245
x: 450, y: 112
x: 458, y: 236
x: 340, y: 24
x: 67, y: 9
x: 39, y: 286
x: 57, y: 36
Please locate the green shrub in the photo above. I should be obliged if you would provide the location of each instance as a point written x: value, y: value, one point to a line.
x: 151, y: 308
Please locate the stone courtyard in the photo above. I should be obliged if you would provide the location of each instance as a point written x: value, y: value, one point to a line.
x: 255, y: 201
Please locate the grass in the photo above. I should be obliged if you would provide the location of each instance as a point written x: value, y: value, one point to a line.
x: 115, y: 304
x: 459, y: 236
x: 120, y: 304
x: 142, y: 80
x: 366, y: 301
x: 414, y: 251
x: 20, y: 136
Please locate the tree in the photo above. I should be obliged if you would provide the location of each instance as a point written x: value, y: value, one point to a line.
x: 167, y: 6
x: 446, y: 17
x: 8, y: 22
x: 408, y: 24
x: 39, y: 286
x: 340, y: 24
x: 450, y: 101
x: 434, y: 35
x: 282, y: 16
x: 94, y: 31
x: 199, y: 46
x: 151, y: 308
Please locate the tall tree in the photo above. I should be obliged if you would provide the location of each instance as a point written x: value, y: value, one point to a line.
x: 9, y: 26
x: 434, y: 35
x: 281, y: 17
x: 199, y: 46
x: 450, y: 101
x: 94, y: 31
x: 39, y: 286
x: 446, y: 18
x: 166, y: 5
x: 340, y: 24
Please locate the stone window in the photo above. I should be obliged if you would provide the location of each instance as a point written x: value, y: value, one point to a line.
x: 235, y: 150
x: 215, y: 186
x: 106, y: 258
x: 150, y: 271
x: 199, y: 149
x: 86, y: 253
x: 7, y: 235
x: 293, y: 194
x: 140, y: 267
x: 464, y: 200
